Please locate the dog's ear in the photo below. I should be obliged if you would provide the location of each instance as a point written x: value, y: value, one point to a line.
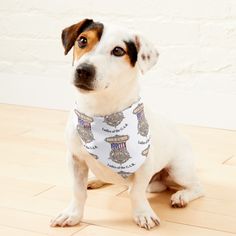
x: 70, y: 34
x: 147, y: 54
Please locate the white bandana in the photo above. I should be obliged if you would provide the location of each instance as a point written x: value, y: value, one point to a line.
x: 119, y: 141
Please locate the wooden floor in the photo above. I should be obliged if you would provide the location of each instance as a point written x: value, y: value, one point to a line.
x: 35, y: 184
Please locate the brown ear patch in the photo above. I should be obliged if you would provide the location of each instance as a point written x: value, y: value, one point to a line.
x: 93, y: 34
x: 71, y: 33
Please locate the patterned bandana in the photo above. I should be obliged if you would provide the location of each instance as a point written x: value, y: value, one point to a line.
x: 119, y: 141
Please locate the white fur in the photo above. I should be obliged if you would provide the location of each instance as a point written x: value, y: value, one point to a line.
x: 116, y: 87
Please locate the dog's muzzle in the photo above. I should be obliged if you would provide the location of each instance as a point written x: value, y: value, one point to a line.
x: 84, y: 76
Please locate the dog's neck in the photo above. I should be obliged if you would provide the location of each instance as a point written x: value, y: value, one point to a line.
x: 108, y: 101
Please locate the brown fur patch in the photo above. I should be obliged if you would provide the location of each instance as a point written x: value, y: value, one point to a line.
x: 131, y: 53
x: 92, y: 39
x: 126, y: 57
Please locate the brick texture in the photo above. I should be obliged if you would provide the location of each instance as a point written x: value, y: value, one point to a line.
x: 196, y: 39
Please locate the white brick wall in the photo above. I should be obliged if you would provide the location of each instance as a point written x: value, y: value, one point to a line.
x: 196, y: 40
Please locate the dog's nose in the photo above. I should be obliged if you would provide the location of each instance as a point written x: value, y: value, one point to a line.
x: 85, y: 72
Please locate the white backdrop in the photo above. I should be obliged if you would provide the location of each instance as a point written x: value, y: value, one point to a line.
x: 194, y: 81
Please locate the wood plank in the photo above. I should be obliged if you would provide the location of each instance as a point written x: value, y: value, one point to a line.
x: 206, y: 208
x: 11, y: 130
x: 31, y: 115
x: 231, y: 161
x: 29, y: 199
x: 46, y: 174
x: 211, y: 145
x: 13, y: 186
x: 208, y: 213
x: 35, y: 204
x: 122, y: 220
x: 33, y: 222
x: 219, y: 175
x: 9, y: 231
x: 65, y: 193
x: 166, y: 228
x: 215, y: 215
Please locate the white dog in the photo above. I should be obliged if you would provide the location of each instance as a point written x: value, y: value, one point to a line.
x: 108, y: 131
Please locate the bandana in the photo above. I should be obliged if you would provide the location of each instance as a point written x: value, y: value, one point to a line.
x: 120, y: 141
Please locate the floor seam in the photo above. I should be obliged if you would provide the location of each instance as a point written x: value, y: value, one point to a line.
x: 26, y: 211
x: 45, y: 190
x: 227, y: 159
x: 118, y: 194
x: 23, y: 229
x: 85, y: 226
x: 202, y: 227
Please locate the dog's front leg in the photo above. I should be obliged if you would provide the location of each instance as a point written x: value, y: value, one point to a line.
x: 143, y: 214
x: 74, y: 212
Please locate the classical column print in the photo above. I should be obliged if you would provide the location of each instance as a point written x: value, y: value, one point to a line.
x: 119, y: 153
x: 84, y: 127
x: 142, y: 122
x: 114, y: 119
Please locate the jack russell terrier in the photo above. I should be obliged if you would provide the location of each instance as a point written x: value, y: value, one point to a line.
x: 112, y: 133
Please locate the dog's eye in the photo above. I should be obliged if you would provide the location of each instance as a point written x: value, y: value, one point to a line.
x: 82, y: 42
x: 118, y: 52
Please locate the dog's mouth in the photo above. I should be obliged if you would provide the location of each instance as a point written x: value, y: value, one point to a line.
x: 83, y: 86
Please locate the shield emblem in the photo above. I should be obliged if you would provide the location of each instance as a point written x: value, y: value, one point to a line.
x: 119, y: 153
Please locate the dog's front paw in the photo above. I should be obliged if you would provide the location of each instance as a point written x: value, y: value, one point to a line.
x: 146, y: 219
x: 68, y: 217
x: 179, y: 199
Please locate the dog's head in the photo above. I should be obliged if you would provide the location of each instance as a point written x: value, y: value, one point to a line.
x: 105, y: 56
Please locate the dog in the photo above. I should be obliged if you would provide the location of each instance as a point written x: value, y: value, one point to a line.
x: 107, y: 61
